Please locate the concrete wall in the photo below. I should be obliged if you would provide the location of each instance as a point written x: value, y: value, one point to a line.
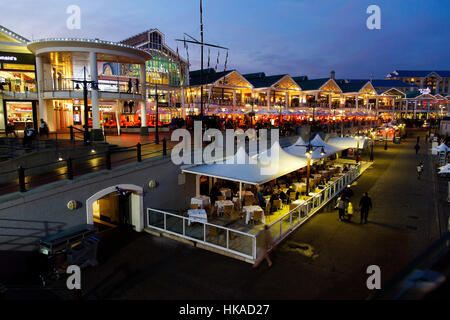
x: 24, y: 218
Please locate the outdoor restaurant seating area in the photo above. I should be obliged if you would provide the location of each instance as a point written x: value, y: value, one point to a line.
x: 234, y: 200
x: 261, y: 204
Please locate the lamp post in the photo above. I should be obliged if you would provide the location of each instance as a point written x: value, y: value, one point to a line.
x: 309, y: 150
x: 385, y: 139
x: 94, y: 85
x: 156, y: 96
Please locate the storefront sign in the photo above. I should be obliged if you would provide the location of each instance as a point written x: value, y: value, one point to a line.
x: 8, y: 58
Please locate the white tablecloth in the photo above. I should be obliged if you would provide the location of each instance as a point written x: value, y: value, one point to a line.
x: 299, y: 185
x: 249, y: 213
x: 226, y: 192
x: 247, y: 193
x: 202, y: 201
x: 197, y: 215
x: 222, y: 203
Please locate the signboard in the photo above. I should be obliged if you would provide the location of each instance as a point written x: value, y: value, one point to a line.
x: 19, y: 58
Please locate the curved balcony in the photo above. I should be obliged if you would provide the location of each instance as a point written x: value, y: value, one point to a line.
x: 67, y: 88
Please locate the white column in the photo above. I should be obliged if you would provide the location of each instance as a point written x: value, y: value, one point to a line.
x: 268, y: 100
x: 329, y: 101
x: 96, y: 130
x: 143, y: 101
x: 367, y: 104
x: 197, y: 185
x: 356, y: 99
x: 415, y: 108
x: 234, y: 98
x: 406, y: 109
x: 182, y: 98
x: 40, y: 89
x: 287, y: 99
x: 393, y: 108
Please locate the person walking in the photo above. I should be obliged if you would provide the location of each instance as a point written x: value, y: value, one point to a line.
x: 365, y: 204
x: 266, y: 246
x: 417, y: 147
x: 341, y: 205
x: 130, y: 85
x: 28, y: 135
x: 10, y: 128
x: 419, y: 170
x: 43, y: 128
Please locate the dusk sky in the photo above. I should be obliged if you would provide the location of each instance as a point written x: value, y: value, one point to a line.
x: 299, y: 37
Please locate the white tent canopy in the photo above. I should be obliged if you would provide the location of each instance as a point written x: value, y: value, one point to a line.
x: 239, y: 168
x: 343, y: 143
x: 299, y: 148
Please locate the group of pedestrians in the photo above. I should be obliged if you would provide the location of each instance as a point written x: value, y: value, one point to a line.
x: 345, y: 206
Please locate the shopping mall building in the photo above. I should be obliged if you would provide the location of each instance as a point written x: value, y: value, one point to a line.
x: 133, y: 80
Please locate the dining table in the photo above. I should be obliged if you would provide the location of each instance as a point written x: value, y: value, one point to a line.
x: 201, y: 201
x: 250, y: 210
x: 225, y: 192
x: 197, y: 215
x: 220, y: 204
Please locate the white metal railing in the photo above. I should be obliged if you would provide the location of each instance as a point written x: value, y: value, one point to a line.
x: 297, y: 216
x: 235, y: 241
x: 246, y: 245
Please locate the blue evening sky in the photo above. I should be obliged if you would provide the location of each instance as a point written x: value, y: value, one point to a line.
x: 298, y: 37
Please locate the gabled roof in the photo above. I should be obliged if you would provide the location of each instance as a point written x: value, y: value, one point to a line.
x: 351, y: 85
x: 209, y: 76
x: 398, y: 92
x: 313, y: 84
x: 413, y: 94
x: 260, y: 80
x: 418, y: 73
x: 419, y: 95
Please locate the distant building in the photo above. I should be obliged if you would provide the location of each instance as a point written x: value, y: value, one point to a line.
x: 436, y: 81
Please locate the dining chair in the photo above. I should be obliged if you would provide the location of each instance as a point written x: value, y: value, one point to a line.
x: 193, y: 206
x: 257, y: 216
x: 220, y: 197
x: 227, y: 210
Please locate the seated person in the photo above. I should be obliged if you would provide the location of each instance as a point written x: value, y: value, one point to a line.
x: 283, y: 197
x: 345, y: 169
x: 267, y: 191
x: 273, y: 197
x: 262, y: 201
x: 215, y: 193
x: 288, y: 193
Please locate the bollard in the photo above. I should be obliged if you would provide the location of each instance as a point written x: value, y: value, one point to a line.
x: 164, y: 147
x: 108, y: 160
x: 69, y: 169
x: 71, y: 133
x: 139, y: 152
x: 21, y: 174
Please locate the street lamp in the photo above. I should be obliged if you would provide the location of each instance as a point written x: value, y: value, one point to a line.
x: 156, y: 96
x: 94, y: 86
x: 309, y: 150
x: 385, y: 139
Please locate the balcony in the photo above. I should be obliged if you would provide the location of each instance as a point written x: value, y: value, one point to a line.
x: 18, y: 90
x: 64, y: 88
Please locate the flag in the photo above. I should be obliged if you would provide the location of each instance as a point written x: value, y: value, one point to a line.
x: 226, y: 61
x: 217, y: 63
x: 208, y: 56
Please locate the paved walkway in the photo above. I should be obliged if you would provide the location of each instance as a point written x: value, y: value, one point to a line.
x: 324, y: 259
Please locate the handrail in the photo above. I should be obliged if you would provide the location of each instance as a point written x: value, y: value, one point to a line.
x: 204, y: 241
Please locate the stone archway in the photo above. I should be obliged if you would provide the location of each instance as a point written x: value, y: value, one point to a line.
x: 137, y: 212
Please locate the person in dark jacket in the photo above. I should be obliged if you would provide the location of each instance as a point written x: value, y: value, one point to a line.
x: 365, y: 204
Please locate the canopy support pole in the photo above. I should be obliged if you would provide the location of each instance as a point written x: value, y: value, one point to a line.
x: 197, y: 185
x: 240, y: 192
